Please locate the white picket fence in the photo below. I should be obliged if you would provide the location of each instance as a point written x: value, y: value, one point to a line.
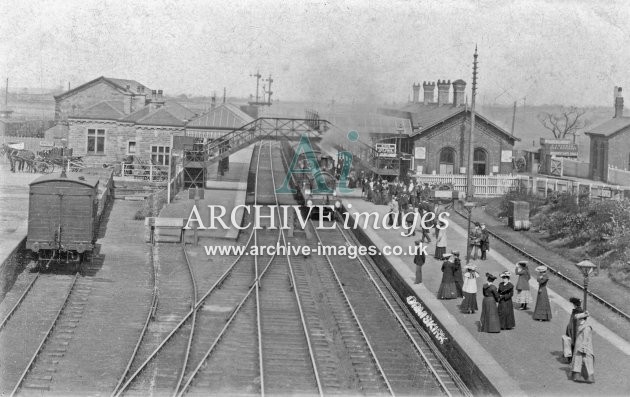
x: 485, y: 185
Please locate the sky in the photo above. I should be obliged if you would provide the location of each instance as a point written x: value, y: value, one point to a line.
x: 534, y: 52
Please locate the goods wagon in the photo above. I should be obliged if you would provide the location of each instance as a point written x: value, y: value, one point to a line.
x: 63, y: 218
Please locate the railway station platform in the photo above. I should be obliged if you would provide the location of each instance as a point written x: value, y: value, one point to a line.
x: 228, y: 190
x: 526, y: 360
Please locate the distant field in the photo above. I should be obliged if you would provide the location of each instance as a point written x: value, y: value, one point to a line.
x: 527, y: 127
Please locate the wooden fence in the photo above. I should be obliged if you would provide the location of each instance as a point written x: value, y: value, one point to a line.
x: 485, y: 185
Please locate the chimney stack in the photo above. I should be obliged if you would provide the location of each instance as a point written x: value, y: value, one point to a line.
x: 618, y: 103
x: 429, y: 91
x: 159, y: 95
x: 443, y: 91
x: 213, y: 102
x: 416, y: 93
x: 459, y: 92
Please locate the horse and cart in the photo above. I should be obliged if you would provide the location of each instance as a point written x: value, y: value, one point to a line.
x: 45, y: 161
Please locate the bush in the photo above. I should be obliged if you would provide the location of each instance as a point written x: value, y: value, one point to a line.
x: 152, y: 205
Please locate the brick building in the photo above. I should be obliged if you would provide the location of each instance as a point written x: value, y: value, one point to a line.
x: 104, y: 133
x: 439, y: 141
x: 130, y: 93
x: 610, y: 143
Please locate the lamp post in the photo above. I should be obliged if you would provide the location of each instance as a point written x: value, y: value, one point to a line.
x: 469, y: 205
x: 586, y: 267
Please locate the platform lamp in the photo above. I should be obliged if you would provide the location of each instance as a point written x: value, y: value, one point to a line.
x: 469, y: 205
x: 586, y: 267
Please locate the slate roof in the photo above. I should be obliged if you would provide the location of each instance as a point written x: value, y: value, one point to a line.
x: 610, y: 127
x: 168, y: 115
x: 105, y: 110
x: 370, y: 123
x: 224, y: 116
x: 424, y: 117
x: 119, y: 84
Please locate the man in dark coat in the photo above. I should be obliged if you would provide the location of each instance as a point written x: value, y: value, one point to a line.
x: 419, y: 259
x: 459, y: 276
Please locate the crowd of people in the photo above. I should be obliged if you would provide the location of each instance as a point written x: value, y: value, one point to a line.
x: 498, y: 301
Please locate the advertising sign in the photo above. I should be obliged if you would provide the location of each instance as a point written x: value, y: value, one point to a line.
x: 420, y: 152
x: 386, y: 149
x: 506, y: 156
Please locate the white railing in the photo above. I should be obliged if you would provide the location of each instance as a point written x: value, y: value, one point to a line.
x: 485, y: 185
x: 145, y: 172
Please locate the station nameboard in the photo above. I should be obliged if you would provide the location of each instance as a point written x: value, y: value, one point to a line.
x: 566, y: 150
x: 386, y: 149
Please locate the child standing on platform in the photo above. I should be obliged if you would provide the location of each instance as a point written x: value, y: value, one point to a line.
x: 523, y: 296
x: 469, y: 304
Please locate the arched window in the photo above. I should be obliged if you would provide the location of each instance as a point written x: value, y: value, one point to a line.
x: 480, y: 158
x: 447, y: 160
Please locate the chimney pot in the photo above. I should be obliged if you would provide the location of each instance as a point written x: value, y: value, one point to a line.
x: 618, y: 103
x: 443, y: 92
x: 429, y: 91
x: 416, y: 93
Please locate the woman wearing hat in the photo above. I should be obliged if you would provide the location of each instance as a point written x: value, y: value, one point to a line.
x: 440, y: 241
x: 583, y: 356
x: 458, y: 275
x: 489, y: 314
x: 506, y: 309
x: 542, y: 312
x: 523, y: 296
x: 469, y: 304
x: 475, y: 242
x: 448, y: 290
x: 572, y: 326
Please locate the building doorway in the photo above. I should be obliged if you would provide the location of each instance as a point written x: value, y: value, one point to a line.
x: 480, y: 159
x: 447, y: 161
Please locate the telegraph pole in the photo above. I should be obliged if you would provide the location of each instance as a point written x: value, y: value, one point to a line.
x: 513, y: 119
x: 469, y: 179
x: 269, y: 93
x: 258, y: 76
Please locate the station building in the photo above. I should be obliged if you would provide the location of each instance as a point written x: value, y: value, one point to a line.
x: 438, y: 143
x: 104, y: 133
x: 610, y: 143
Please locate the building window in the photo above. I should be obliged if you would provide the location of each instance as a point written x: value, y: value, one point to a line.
x: 160, y: 155
x: 131, y: 148
x: 447, y: 161
x: 95, y: 141
x: 480, y: 158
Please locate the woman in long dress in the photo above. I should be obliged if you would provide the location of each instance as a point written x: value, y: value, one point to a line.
x: 542, y: 312
x: 523, y: 296
x: 459, y: 275
x: 440, y: 242
x: 489, y: 312
x: 448, y: 290
x: 506, y: 308
x: 469, y: 304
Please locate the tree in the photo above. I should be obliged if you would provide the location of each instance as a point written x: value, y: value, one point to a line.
x: 566, y: 122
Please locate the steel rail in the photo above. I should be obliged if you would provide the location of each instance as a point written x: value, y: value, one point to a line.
x: 193, y: 304
x: 293, y: 286
x: 46, y: 336
x: 354, y: 315
x: 178, y: 326
x: 429, y: 342
x: 236, y: 310
x: 261, y: 370
x: 558, y: 273
x: 254, y: 287
x: 14, y: 308
x: 150, y: 314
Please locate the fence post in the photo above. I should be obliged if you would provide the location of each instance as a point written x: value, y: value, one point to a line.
x: 590, y: 188
x: 546, y: 182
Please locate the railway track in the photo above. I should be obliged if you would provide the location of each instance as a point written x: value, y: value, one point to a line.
x: 357, y: 301
x: 40, y: 368
x: 531, y: 257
